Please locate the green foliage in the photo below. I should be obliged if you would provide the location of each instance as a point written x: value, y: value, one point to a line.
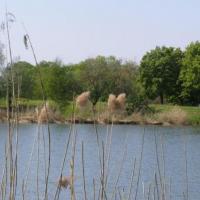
x: 105, y: 75
x: 24, y: 79
x: 159, y: 72
x: 139, y: 104
x: 94, y: 73
x: 190, y: 74
x: 60, y: 83
x: 2, y: 86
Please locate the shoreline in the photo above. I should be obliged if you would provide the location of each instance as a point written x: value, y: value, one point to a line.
x: 169, y: 117
x: 33, y: 120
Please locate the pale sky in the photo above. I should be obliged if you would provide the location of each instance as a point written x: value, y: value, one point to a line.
x: 74, y: 30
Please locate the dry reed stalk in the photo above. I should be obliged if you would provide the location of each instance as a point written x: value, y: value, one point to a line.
x: 24, y: 185
x: 4, y: 175
x: 9, y: 109
x: 27, y: 41
x: 108, y: 150
x: 46, y: 114
x: 131, y: 183
x: 140, y: 165
x: 175, y: 116
x: 63, y: 163
x: 120, y: 195
x: 163, y: 163
x: 38, y: 165
x: 12, y: 115
x: 98, y: 142
x: 143, y: 190
x: 157, y: 160
x: 16, y: 123
x: 157, y: 186
x: 94, y: 189
x: 149, y: 192
x: 83, y: 171
x: 72, y: 164
x: 83, y: 99
x: 120, y: 169
x: 44, y: 153
x: 102, y: 178
x: 102, y: 191
x: 112, y: 103
x: 186, y: 170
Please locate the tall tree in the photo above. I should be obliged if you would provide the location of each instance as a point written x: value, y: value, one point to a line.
x: 159, y: 72
x: 24, y: 77
x: 94, y: 74
x: 60, y: 83
x: 190, y: 74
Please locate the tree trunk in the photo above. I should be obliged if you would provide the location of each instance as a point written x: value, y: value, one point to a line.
x: 161, y: 98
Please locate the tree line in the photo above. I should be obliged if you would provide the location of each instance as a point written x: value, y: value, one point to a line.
x: 167, y: 73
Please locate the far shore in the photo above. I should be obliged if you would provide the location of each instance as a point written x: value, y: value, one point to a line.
x: 164, y: 115
x: 28, y: 119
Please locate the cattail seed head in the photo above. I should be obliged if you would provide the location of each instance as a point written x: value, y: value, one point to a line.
x: 64, y: 182
x: 83, y: 99
x: 116, y: 103
x: 121, y: 100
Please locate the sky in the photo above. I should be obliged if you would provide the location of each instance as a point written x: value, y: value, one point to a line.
x: 73, y: 30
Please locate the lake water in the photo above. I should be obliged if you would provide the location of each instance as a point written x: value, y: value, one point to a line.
x: 126, y: 145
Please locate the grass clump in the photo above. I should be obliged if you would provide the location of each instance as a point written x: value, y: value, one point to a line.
x: 176, y: 116
x: 192, y: 112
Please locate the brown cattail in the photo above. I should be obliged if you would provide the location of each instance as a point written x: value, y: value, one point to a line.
x: 83, y: 99
x: 112, y: 103
x: 64, y: 181
x: 121, y: 100
x: 46, y: 114
x: 116, y: 103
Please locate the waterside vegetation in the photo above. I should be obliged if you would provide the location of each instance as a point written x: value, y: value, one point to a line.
x: 50, y: 92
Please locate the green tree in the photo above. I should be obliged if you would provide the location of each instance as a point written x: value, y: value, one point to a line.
x: 123, y: 79
x: 190, y: 74
x: 105, y: 75
x: 24, y: 74
x: 60, y: 82
x: 93, y: 75
x: 159, y: 72
x: 2, y: 87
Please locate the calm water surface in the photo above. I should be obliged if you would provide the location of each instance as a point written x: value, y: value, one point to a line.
x: 126, y: 140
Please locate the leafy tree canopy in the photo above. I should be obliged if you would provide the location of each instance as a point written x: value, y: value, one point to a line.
x: 159, y: 71
x: 190, y: 74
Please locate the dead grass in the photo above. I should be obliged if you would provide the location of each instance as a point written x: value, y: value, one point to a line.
x: 138, y: 118
x: 48, y: 114
x: 175, y: 116
x: 3, y: 115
